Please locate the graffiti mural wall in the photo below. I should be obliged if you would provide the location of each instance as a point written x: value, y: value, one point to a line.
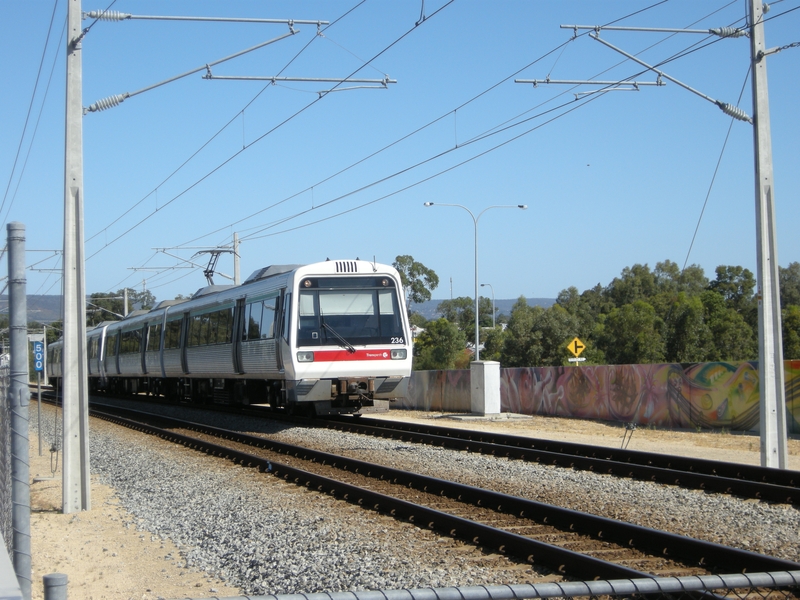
x: 716, y: 395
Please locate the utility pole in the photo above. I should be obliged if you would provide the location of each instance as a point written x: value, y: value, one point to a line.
x: 237, y: 279
x: 774, y: 452
x: 76, y: 482
x: 772, y: 405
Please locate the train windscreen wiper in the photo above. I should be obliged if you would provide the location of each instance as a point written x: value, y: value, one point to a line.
x: 343, y: 342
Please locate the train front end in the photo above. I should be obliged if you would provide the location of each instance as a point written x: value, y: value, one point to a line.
x: 350, y: 341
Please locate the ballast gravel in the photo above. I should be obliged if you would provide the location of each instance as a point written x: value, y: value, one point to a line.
x: 266, y: 536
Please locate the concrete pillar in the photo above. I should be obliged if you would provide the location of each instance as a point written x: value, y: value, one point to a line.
x: 485, y: 387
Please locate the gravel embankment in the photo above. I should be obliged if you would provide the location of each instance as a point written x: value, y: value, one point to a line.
x: 263, y: 535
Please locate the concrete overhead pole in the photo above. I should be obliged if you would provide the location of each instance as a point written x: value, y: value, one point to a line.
x: 774, y: 451
x: 76, y: 484
x: 237, y: 279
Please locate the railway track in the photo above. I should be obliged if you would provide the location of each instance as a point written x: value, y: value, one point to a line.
x: 746, y: 481
x: 573, y: 544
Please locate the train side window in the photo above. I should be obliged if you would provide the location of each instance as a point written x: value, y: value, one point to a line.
x: 260, y: 320
x: 153, y: 337
x: 172, y: 336
x: 254, y: 321
x: 268, y: 319
x: 131, y: 342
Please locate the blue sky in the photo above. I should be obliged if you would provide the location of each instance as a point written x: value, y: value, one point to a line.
x: 610, y: 180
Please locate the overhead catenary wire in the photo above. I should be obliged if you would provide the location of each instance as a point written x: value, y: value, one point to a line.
x: 476, y: 138
x: 358, y: 162
x: 420, y: 129
x: 258, y: 139
x: 259, y: 211
x: 30, y: 108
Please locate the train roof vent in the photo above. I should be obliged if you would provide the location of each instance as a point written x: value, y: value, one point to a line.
x: 346, y: 266
x: 270, y: 271
x: 210, y: 289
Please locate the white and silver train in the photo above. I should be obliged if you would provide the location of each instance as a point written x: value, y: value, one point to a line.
x: 326, y: 338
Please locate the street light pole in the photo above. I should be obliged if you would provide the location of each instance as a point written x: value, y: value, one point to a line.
x: 493, y: 311
x: 475, y: 222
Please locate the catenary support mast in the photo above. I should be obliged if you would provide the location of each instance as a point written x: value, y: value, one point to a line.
x: 770, y: 340
x: 76, y: 485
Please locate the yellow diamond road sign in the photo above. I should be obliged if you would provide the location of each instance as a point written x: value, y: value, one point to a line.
x: 576, y: 347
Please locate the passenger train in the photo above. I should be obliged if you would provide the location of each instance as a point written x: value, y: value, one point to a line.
x: 326, y: 338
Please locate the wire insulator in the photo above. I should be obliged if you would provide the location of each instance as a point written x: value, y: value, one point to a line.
x: 729, y: 32
x: 734, y: 111
x: 106, y: 15
x: 106, y: 103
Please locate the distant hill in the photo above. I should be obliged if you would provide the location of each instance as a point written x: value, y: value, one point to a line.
x: 42, y: 308
x: 428, y: 309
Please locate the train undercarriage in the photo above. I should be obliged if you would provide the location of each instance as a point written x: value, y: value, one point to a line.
x: 310, y: 398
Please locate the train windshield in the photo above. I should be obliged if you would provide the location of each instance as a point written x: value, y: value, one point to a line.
x: 345, y: 317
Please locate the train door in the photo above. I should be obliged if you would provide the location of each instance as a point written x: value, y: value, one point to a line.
x: 184, y: 340
x: 143, y: 347
x: 279, y: 330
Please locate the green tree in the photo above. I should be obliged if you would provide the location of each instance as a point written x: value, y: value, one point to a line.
x: 520, y: 338
x: 538, y: 337
x: 104, y: 306
x: 493, y: 344
x: 736, y: 285
x: 632, y: 334
x: 416, y: 319
x: 461, y: 311
x: 733, y: 338
x: 789, y: 279
x: 635, y: 283
x: 687, y: 337
x: 579, y: 307
x: 791, y: 332
x: 418, y: 280
x: 439, y: 346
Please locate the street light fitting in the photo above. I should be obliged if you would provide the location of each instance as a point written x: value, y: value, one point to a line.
x: 475, y: 219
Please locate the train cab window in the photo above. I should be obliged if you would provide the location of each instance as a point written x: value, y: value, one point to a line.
x: 348, y: 315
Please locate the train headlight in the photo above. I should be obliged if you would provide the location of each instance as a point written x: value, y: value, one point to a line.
x: 399, y: 354
x: 305, y: 357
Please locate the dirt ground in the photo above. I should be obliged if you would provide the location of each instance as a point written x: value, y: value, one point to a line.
x: 104, y: 559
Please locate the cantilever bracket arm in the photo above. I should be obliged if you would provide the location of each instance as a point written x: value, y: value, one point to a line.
x: 728, y: 109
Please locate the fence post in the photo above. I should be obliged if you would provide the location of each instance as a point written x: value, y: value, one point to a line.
x: 55, y: 586
x: 19, y: 399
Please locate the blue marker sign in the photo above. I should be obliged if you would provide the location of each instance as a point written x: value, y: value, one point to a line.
x: 38, y: 356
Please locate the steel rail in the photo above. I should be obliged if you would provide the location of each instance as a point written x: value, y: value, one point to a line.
x: 689, y: 551
x: 749, y: 481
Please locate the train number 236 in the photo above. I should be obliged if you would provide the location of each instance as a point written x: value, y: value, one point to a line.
x: 398, y: 340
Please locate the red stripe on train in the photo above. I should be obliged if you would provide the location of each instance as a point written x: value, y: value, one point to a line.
x: 343, y: 355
